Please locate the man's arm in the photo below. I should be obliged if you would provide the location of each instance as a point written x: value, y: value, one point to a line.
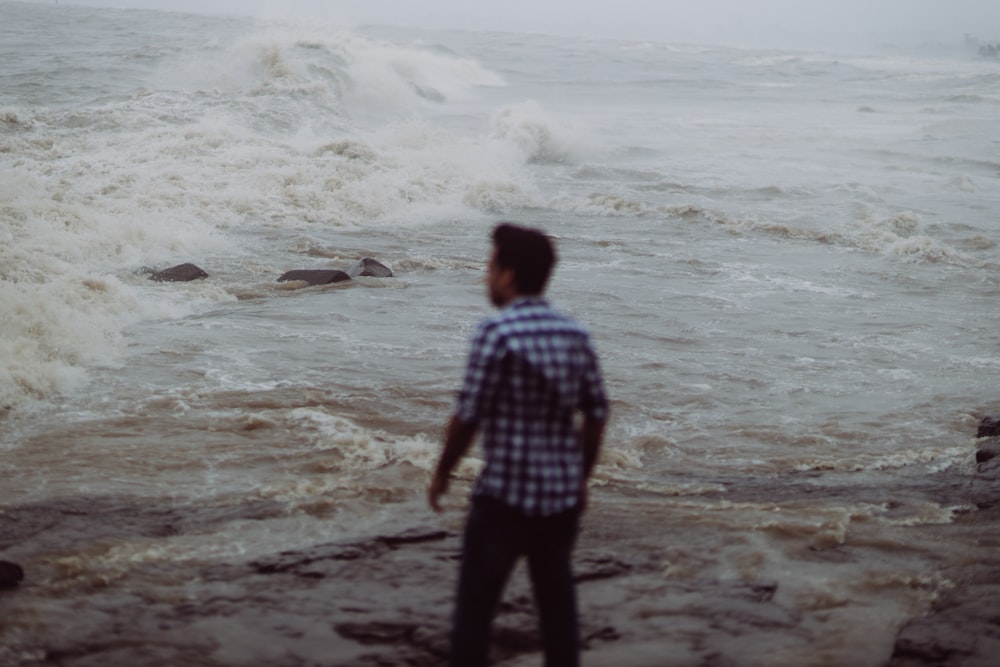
x: 591, y: 436
x: 456, y: 442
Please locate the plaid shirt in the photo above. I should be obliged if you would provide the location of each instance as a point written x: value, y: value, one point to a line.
x: 530, y: 369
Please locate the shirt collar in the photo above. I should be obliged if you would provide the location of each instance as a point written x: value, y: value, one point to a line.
x: 526, y: 300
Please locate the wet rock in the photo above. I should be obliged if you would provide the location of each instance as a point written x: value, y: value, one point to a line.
x: 599, y: 567
x: 11, y: 574
x: 315, y: 276
x: 378, y: 632
x: 607, y: 633
x: 513, y: 640
x: 299, y: 562
x: 963, y: 629
x: 982, y: 490
x: 412, y: 537
x: 988, y: 452
x: 309, y: 563
x: 926, y: 646
x: 988, y: 426
x: 423, y: 644
x: 178, y: 274
x: 757, y: 592
x: 369, y: 267
x: 988, y: 469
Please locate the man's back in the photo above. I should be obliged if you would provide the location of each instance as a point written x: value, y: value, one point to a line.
x: 530, y: 369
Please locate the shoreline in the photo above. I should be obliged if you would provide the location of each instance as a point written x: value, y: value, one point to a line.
x: 118, y: 598
x: 962, y: 628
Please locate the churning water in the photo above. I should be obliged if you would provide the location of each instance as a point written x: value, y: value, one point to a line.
x: 787, y: 260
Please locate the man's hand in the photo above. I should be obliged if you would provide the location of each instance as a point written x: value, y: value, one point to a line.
x: 593, y: 434
x: 438, y: 487
x: 457, y: 439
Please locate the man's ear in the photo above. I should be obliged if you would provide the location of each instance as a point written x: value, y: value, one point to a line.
x: 507, y: 276
x: 507, y: 281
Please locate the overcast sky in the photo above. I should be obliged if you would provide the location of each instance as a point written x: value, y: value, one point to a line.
x: 740, y: 22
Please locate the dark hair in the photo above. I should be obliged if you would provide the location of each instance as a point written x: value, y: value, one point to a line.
x: 529, y: 252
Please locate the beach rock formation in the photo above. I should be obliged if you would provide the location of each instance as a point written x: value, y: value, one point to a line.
x: 315, y: 276
x: 962, y: 627
x: 369, y: 267
x: 180, y: 273
x: 11, y: 574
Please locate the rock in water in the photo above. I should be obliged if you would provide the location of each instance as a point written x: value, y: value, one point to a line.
x: 315, y: 276
x: 179, y: 273
x: 989, y: 426
x: 987, y: 453
x: 370, y: 267
x: 11, y: 574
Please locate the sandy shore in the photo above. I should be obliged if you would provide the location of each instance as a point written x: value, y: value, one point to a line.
x: 103, y: 587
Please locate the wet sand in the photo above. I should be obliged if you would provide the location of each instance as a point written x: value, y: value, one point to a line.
x: 105, y: 587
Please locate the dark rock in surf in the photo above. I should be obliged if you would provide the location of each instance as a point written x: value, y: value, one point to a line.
x: 369, y: 267
x: 960, y: 630
x: 988, y: 426
x: 11, y: 574
x: 180, y: 273
x: 315, y: 276
x: 987, y: 453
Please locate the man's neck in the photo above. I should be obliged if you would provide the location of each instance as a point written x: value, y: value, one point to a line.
x: 521, y: 298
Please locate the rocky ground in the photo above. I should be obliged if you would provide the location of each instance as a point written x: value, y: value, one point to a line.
x: 123, y: 599
x: 963, y: 627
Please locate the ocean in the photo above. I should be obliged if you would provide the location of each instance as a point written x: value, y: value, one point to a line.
x: 787, y: 261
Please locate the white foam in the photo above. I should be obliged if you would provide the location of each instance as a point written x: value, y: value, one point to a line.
x: 344, y: 70
x: 541, y: 136
x: 67, y: 287
x: 361, y: 448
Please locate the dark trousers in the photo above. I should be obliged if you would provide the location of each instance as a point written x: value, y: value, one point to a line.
x: 495, y: 537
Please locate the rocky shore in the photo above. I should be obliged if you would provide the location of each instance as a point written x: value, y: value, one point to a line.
x: 962, y: 629
x: 110, y: 582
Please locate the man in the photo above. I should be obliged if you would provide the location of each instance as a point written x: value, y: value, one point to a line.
x: 531, y: 370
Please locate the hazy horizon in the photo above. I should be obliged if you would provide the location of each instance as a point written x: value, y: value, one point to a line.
x: 733, y: 22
